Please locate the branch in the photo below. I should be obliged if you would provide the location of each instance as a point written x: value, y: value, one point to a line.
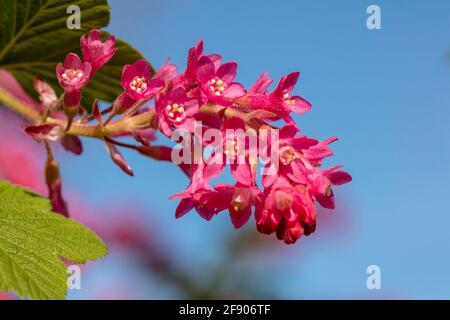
x: 115, y: 128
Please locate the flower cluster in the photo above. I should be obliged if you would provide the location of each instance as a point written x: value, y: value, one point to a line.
x: 75, y: 74
x: 286, y: 204
x: 206, y: 96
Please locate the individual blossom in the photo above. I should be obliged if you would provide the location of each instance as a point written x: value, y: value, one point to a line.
x: 194, y: 55
x: 217, y: 82
x: 280, y: 101
x: 240, y: 200
x: 287, y: 210
x: 176, y: 110
x: 73, y: 75
x: 320, y: 184
x: 95, y: 51
x: 282, y: 95
x: 137, y: 82
x: 199, y: 194
x: 287, y: 150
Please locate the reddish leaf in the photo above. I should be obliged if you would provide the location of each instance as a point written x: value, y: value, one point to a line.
x: 72, y: 144
x: 47, y: 131
x: 118, y: 159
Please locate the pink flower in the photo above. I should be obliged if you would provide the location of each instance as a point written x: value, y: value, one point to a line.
x: 282, y: 95
x: 239, y: 199
x: 280, y: 101
x: 217, y: 82
x: 73, y: 75
x: 95, y: 51
x: 321, y: 181
x: 287, y: 210
x: 174, y: 109
x: 137, y: 83
x: 199, y: 194
x: 290, y: 146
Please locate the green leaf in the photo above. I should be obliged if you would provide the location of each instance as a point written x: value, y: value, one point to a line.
x: 34, y: 38
x: 32, y: 242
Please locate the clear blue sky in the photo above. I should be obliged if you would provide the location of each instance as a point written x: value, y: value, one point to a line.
x: 384, y: 93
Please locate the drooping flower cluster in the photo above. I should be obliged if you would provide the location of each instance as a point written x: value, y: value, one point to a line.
x: 205, y: 101
x: 286, y: 203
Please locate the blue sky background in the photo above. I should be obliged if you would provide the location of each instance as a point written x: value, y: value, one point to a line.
x: 384, y: 93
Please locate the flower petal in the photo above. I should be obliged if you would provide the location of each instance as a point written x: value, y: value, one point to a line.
x: 72, y: 61
x: 339, y: 177
x: 300, y: 105
x: 184, y: 207
x: 205, y: 70
x: 227, y: 72
x: 234, y: 90
x: 240, y: 217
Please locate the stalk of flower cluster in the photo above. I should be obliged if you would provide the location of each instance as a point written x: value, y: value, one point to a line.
x: 114, y: 128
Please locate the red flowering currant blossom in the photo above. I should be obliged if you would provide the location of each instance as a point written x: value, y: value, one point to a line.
x: 73, y: 75
x: 176, y: 110
x: 239, y: 199
x: 291, y: 146
x: 217, y: 83
x: 321, y: 181
x: 137, y: 82
x: 280, y: 101
x: 287, y: 210
x: 95, y: 51
x: 199, y: 194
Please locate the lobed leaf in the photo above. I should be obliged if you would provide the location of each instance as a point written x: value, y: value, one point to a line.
x: 32, y: 242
